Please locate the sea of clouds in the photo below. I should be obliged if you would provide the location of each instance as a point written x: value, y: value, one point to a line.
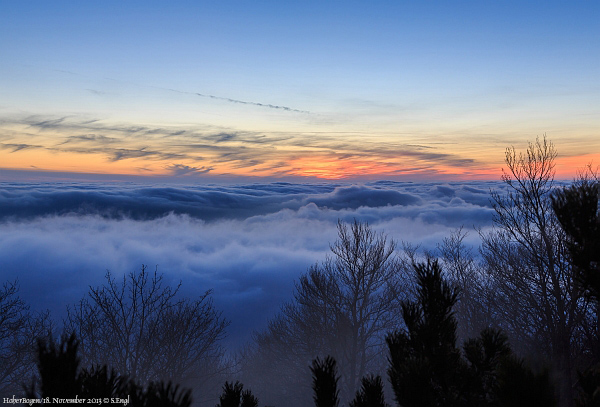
x: 246, y: 243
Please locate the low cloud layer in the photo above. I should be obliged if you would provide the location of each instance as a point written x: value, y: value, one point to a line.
x: 248, y: 243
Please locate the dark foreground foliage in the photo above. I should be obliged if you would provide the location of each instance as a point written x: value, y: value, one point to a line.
x: 576, y: 208
x: 370, y: 393
x: 234, y: 395
x: 60, y: 377
x: 325, y: 382
x: 427, y: 369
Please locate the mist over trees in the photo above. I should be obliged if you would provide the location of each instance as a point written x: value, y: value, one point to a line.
x: 142, y: 329
x: 342, y: 307
x: 539, y: 303
x: 19, y: 329
x: 376, y: 323
x: 427, y: 368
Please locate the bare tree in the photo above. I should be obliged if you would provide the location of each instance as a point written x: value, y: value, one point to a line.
x: 536, y: 296
x: 342, y: 307
x: 465, y: 271
x: 142, y: 329
x: 19, y: 329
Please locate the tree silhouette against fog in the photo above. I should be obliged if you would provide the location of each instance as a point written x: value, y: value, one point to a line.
x: 60, y: 376
x: 342, y: 307
x: 140, y: 328
x: 424, y: 359
x: 234, y: 395
x: 576, y: 208
x: 464, y: 269
x: 370, y: 393
x: 537, y: 299
x: 325, y: 381
x: 427, y: 369
x: 19, y: 329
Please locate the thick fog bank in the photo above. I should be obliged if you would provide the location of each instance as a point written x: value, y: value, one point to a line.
x: 247, y: 243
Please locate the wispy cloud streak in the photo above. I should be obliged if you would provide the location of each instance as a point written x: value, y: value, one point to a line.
x: 231, y: 151
x: 270, y: 106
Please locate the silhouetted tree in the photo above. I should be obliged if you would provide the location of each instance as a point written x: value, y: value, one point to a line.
x: 428, y: 370
x: 424, y: 360
x: 484, y: 356
x: 101, y: 382
x: 248, y: 399
x: 576, y: 208
x: 519, y: 386
x: 143, y: 330
x: 232, y: 395
x: 58, y: 367
x: 370, y: 393
x: 61, y: 377
x: 536, y: 298
x: 475, y: 310
x: 342, y: 307
x: 19, y: 329
x: 325, y: 382
x: 159, y: 394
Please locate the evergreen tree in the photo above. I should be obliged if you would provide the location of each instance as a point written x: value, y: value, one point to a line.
x: 370, y: 393
x: 484, y: 356
x: 234, y: 395
x: 424, y: 360
x: 576, y: 208
x: 428, y: 370
x: 159, y: 394
x: 248, y: 399
x: 60, y: 377
x: 99, y: 382
x: 519, y: 386
x: 58, y: 366
x: 325, y: 382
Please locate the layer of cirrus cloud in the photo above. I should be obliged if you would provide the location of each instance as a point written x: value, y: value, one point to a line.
x: 248, y: 243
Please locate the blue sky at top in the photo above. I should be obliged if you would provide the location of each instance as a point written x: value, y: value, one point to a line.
x: 484, y: 75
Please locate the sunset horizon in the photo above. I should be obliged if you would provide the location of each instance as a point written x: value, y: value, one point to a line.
x: 220, y: 203
x: 283, y: 90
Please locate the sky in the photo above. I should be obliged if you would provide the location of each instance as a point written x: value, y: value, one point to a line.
x: 289, y: 90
